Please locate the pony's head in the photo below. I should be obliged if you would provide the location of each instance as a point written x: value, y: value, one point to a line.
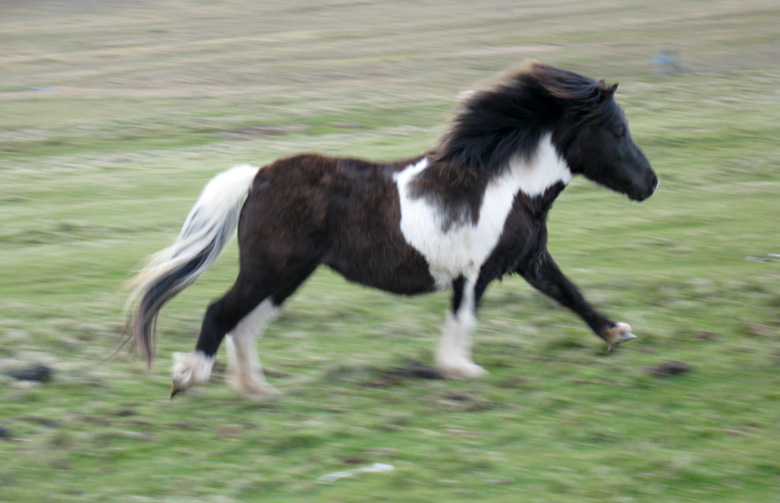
x: 593, y: 135
x: 510, y: 114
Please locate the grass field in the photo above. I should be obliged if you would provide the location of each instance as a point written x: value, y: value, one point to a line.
x: 113, y: 115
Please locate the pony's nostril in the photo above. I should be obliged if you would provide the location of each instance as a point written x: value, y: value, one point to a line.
x: 653, y: 182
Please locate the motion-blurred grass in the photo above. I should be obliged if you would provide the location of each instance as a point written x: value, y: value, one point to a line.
x: 113, y: 117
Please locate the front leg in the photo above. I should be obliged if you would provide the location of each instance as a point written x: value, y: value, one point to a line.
x: 453, y: 355
x: 543, y: 274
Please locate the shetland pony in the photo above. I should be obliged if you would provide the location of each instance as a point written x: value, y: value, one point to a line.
x: 467, y: 212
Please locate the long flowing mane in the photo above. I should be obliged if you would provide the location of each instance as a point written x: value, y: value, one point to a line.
x: 509, y: 116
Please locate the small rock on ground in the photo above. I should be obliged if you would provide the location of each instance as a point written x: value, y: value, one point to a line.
x: 669, y: 368
x: 39, y: 373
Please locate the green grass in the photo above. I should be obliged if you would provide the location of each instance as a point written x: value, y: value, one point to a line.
x: 153, y: 100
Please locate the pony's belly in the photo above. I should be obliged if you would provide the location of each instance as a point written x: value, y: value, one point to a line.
x: 395, y: 268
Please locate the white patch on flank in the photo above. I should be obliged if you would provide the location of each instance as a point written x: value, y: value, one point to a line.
x: 463, y: 248
x: 245, y: 371
x: 192, y: 368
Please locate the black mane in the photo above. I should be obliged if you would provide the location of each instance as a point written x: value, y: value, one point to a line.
x: 508, y: 118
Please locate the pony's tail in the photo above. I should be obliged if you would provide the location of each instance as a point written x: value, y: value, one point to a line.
x: 205, y: 233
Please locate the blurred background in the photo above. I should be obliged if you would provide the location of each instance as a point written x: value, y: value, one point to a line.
x: 114, y: 115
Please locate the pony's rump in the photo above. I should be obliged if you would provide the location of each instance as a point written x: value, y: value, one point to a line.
x: 206, y: 231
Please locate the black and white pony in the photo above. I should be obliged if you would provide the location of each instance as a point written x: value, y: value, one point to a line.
x: 461, y: 215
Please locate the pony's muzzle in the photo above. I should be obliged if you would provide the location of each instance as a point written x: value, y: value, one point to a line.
x: 644, y: 188
x: 652, y: 182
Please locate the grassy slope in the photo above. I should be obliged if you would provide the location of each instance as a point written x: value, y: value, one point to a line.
x: 154, y: 99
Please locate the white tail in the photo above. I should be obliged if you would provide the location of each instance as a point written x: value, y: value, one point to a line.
x: 203, y: 236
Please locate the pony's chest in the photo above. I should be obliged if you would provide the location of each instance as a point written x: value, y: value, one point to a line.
x: 460, y: 249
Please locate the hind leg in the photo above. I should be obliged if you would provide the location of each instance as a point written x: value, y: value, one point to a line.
x: 221, y: 317
x: 245, y: 373
x: 244, y: 368
x: 251, y: 303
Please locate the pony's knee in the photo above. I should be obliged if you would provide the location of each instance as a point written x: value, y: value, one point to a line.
x: 190, y: 369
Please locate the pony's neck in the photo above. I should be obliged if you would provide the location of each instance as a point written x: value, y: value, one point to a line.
x: 532, y: 178
x: 537, y: 173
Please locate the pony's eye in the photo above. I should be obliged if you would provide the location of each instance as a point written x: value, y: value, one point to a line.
x: 620, y: 132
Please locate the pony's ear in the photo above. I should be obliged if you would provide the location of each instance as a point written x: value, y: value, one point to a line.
x: 607, y: 91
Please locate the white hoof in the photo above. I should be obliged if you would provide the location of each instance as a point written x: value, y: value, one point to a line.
x: 462, y: 370
x: 190, y: 369
x: 618, y: 334
x: 251, y: 387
